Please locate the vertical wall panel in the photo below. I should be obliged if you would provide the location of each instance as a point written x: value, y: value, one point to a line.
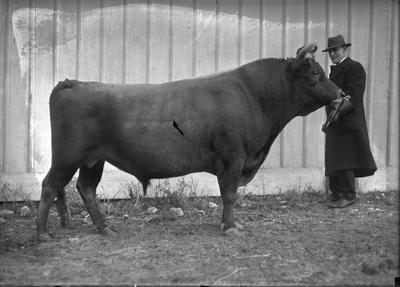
x: 379, y: 92
x: 314, y: 144
x: 136, y: 41
x: 272, y: 32
x: 293, y: 132
x: 41, y: 84
x: 113, y: 41
x: 360, y: 39
x: 272, y: 28
x: 393, y: 103
x: 250, y: 31
x: 90, y: 47
x: 205, y: 36
x: 159, y: 41
x: 228, y: 34
x: 338, y: 12
x: 4, y: 20
x: 183, y: 42
x: 67, y: 39
x: 17, y: 119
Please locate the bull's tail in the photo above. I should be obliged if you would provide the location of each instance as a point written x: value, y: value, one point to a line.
x: 66, y: 84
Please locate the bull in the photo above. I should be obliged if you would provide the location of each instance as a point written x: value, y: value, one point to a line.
x: 223, y: 124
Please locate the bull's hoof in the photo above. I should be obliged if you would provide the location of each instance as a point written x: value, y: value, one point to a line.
x: 233, y: 232
x: 44, y: 237
x: 236, y: 225
x: 107, y: 231
x: 66, y: 223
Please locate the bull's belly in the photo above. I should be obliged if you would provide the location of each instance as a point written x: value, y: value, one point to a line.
x: 163, y: 158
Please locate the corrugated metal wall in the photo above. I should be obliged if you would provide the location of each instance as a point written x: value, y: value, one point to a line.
x: 127, y: 41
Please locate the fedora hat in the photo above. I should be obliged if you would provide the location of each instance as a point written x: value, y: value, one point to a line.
x: 336, y: 41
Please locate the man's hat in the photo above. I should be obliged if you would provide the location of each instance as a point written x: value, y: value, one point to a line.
x: 336, y: 41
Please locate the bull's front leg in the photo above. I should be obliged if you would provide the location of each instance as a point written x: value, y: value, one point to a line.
x: 228, y: 180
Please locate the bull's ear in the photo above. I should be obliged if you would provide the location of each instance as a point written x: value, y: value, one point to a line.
x: 307, y: 51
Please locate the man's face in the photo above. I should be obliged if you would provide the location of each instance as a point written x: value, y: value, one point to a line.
x: 337, y: 54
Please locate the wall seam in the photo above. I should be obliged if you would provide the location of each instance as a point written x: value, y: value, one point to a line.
x: 6, y: 115
x: 327, y: 32
x: 78, y: 39
x: 171, y: 42
x: 306, y: 40
x: 282, y: 136
x: 124, y: 37
x: 370, y: 74
x: 102, y: 42
x: 261, y: 34
x: 349, y: 35
x: 31, y: 85
x: 194, y: 44
x: 55, y: 40
x: 148, y: 39
x: 217, y: 38
x: 390, y: 86
x: 240, y: 26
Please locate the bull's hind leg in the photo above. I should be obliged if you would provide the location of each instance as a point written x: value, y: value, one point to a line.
x: 62, y: 208
x: 228, y: 179
x: 52, y: 185
x: 89, y: 178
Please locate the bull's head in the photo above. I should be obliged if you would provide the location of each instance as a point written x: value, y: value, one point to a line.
x: 310, y: 88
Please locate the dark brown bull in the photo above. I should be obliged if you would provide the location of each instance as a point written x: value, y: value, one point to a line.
x: 223, y: 124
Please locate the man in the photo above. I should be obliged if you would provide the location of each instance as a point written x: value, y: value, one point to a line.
x: 347, y: 150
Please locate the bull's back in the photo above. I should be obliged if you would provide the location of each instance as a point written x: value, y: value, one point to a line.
x: 147, y: 130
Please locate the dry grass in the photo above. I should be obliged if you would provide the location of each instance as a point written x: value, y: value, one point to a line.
x: 288, y: 239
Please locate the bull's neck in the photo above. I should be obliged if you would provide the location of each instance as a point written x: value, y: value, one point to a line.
x: 268, y: 81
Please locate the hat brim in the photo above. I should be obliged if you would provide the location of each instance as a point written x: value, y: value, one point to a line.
x: 336, y: 46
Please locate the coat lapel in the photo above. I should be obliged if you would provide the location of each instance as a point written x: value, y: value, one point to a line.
x: 336, y: 70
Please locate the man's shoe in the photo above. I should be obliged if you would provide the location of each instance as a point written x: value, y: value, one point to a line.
x: 334, y: 196
x: 343, y: 202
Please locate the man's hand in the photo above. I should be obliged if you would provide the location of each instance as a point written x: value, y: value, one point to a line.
x: 339, y: 107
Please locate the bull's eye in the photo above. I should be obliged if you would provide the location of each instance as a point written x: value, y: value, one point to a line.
x: 315, y: 72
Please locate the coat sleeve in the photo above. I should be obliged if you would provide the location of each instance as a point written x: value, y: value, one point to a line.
x: 355, y: 83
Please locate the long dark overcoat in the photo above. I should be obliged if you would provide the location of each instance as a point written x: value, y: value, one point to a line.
x: 347, y: 143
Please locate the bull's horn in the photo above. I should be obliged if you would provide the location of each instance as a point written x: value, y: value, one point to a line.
x: 310, y: 48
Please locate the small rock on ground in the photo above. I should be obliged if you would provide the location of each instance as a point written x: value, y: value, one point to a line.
x: 125, y: 216
x: 2, y: 220
x: 200, y: 211
x: 152, y: 210
x: 177, y: 211
x: 25, y: 211
x: 212, y: 205
x: 6, y: 213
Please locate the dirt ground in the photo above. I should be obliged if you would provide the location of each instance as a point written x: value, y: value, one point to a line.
x: 287, y: 239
